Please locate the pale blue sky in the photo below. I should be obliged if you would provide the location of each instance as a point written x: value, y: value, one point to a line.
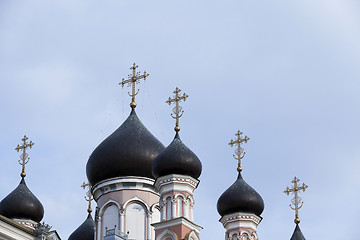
x: 284, y: 72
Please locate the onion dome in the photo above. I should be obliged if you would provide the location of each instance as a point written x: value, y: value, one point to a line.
x: 297, y: 235
x: 85, y: 231
x: 129, y: 151
x: 21, y: 203
x: 177, y: 158
x: 240, y: 197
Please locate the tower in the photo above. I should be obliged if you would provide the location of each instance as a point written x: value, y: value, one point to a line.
x: 177, y: 170
x: 21, y: 204
x: 119, y: 171
x: 298, y: 203
x: 86, y: 230
x: 240, y: 206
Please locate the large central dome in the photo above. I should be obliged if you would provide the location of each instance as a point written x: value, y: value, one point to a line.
x: 129, y: 151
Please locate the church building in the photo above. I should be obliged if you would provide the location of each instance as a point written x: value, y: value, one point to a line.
x: 142, y: 189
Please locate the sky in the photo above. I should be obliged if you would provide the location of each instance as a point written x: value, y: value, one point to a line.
x: 283, y: 72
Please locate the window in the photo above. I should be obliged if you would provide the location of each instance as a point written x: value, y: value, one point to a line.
x: 135, y: 221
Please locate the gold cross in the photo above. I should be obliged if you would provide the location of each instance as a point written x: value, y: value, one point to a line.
x: 133, y: 79
x: 24, y: 157
x: 177, y: 110
x: 239, y: 151
x: 296, y: 200
x: 88, y: 196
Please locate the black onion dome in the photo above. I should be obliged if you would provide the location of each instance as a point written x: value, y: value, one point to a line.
x: 240, y: 197
x: 297, y: 235
x: 129, y: 151
x: 21, y: 203
x: 177, y: 159
x: 85, y: 231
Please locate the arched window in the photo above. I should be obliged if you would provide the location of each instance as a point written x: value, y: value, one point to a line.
x: 110, y: 218
x: 155, y: 219
x: 168, y: 208
x: 135, y: 221
x: 180, y: 203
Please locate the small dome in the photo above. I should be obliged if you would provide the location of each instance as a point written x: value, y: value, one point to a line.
x: 177, y: 159
x: 85, y: 231
x: 297, y: 235
x: 240, y: 197
x: 129, y: 151
x: 21, y: 203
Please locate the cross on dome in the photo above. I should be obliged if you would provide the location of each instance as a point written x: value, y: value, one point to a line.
x: 239, y: 151
x: 133, y: 79
x: 177, y: 110
x: 296, y: 200
x: 24, y: 157
x: 88, y: 196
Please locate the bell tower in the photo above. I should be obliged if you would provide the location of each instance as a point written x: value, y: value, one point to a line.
x: 240, y: 206
x: 177, y: 170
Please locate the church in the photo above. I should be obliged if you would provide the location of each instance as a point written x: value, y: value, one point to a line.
x: 144, y: 190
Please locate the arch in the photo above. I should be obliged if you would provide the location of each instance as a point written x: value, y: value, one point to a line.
x: 255, y: 236
x: 166, y: 196
x: 168, y: 207
x: 232, y: 234
x: 155, y: 218
x: 180, y: 194
x: 110, y: 218
x: 136, y: 199
x: 192, y: 236
x: 109, y: 202
x: 135, y: 220
x: 190, y: 199
x: 166, y: 235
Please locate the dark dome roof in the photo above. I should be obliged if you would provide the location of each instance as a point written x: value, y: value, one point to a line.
x: 297, y: 235
x: 240, y: 197
x: 21, y: 203
x: 129, y: 151
x: 85, y: 231
x: 177, y: 159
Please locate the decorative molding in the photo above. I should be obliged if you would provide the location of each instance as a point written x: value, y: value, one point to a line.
x: 176, y: 178
x: 175, y: 222
x: 240, y: 217
x: 123, y: 183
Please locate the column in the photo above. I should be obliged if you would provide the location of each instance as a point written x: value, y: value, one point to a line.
x: 122, y: 217
x: 149, y: 216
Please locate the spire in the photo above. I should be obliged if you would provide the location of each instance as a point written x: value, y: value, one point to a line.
x: 296, y: 201
x: 239, y: 151
x: 24, y: 157
x: 88, y: 196
x: 177, y: 110
x: 133, y: 79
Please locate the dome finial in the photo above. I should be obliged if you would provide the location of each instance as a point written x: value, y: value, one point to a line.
x: 239, y: 151
x: 177, y: 110
x: 88, y: 196
x: 133, y: 79
x: 24, y: 157
x: 296, y: 200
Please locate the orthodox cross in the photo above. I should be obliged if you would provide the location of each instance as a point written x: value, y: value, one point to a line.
x: 239, y: 151
x: 177, y: 110
x: 133, y: 79
x: 24, y: 157
x: 296, y: 201
x: 88, y: 196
